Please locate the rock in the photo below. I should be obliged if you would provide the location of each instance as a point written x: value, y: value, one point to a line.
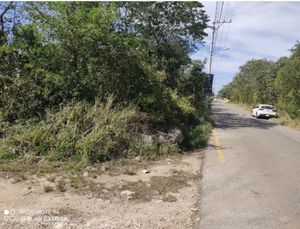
x: 169, y: 161
x: 146, y: 171
x: 88, y: 168
x: 156, y: 193
x: 138, y: 158
x: 14, y: 181
x: 147, y: 139
x: 15, y: 151
x: 86, y: 174
x: 176, y: 136
x: 194, y: 209
x: 104, y: 168
x: 127, y: 194
x: 162, y: 137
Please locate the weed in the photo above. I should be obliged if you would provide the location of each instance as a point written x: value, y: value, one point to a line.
x: 161, y: 185
x: 78, y: 182
x: 61, y: 185
x: 19, y: 177
x: 200, y: 134
x: 51, y: 179
x: 82, y: 134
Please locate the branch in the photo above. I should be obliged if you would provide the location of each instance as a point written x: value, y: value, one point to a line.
x: 6, y: 9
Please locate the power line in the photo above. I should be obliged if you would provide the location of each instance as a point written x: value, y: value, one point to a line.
x: 223, y: 36
x: 217, y: 23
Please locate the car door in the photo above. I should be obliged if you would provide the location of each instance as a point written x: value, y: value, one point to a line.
x: 255, y: 108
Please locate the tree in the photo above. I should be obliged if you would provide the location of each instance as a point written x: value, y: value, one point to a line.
x: 262, y: 81
x: 4, y: 10
x: 192, y: 82
x: 171, y: 29
x: 73, y: 51
x: 288, y: 84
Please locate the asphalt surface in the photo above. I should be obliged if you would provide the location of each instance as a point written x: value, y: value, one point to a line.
x: 252, y: 180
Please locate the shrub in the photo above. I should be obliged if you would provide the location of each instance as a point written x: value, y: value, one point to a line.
x: 91, y: 133
x: 200, y: 134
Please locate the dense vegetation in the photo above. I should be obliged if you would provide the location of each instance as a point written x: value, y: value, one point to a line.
x: 85, y: 80
x: 263, y: 81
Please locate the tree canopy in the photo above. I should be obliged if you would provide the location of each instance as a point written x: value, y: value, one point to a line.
x: 263, y: 81
x: 62, y: 52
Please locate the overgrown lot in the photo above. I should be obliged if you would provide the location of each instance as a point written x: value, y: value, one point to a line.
x: 63, y: 62
x: 84, y: 134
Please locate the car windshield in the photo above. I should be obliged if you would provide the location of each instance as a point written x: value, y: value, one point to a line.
x: 267, y: 107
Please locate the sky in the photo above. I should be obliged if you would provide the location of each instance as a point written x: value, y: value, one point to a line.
x: 258, y: 30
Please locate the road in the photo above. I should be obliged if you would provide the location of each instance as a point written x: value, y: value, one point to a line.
x: 251, y: 173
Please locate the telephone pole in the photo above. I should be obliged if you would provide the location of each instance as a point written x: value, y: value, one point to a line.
x: 217, y: 23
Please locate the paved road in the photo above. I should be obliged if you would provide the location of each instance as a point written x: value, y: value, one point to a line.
x: 253, y: 179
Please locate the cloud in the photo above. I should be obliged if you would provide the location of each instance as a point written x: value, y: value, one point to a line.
x: 258, y: 30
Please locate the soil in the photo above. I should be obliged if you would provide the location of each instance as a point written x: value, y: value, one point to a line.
x: 164, y: 196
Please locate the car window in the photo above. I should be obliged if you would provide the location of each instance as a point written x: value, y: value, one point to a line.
x: 267, y: 107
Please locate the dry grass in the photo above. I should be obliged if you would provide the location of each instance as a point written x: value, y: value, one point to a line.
x: 78, y: 182
x: 19, y: 177
x: 61, y: 185
x: 82, y: 132
x: 283, y: 120
x: 169, y: 198
x: 51, y: 179
x: 159, y: 186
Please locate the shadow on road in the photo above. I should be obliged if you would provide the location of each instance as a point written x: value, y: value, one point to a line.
x: 225, y: 118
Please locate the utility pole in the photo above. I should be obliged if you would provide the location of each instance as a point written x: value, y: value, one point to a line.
x: 217, y: 23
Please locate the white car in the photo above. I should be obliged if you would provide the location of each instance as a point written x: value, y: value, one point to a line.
x: 264, y: 111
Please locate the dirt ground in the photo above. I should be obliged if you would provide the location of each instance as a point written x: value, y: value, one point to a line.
x: 164, y: 196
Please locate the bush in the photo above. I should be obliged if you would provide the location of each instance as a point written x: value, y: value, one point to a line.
x: 91, y: 133
x: 199, y: 135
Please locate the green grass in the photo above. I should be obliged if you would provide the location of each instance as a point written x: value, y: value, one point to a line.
x: 200, y: 134
x: 83, y: 134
